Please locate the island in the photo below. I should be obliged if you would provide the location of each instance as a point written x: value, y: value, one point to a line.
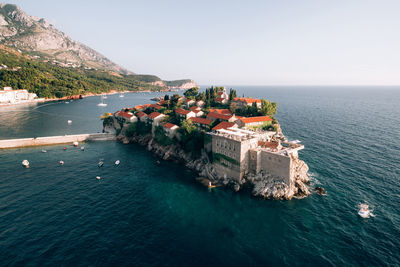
x: 228, y: 140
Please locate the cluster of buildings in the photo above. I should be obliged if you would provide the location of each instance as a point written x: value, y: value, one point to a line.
x: 10, y: 96
x: 237, y: 149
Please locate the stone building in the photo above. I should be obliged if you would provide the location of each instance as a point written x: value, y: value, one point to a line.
x: 238, y: 152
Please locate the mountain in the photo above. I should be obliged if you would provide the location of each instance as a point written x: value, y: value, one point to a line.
x: 40, y: 39
x: 34, y: 55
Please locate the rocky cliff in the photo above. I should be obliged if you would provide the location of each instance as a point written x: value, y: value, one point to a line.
x: 41, y: 39
x: 262, y: 185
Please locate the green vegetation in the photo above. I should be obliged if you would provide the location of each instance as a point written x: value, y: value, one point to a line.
x: 192, y: 140
x: 49, y: 81
x: 161, y: 138
x: 139, y: 127
x: 177, y: 83
x: 191, y: 93
x: 217, y: 157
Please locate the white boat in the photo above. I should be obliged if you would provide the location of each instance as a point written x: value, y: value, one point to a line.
x: 61, y: 162
x: 25, y: 163
x: 101, y: 163
x: 98, y: 177
x: 102, y: 104
x: 364, y: 211
x: 75, y: 144
x: 66, y: 102
x: 121, y: 95
x: 295, y: 141
x: 82, y: 148
x: 117, y: 162
x: 104, y: 97
x: 44, y: 151
x: 69, y: 122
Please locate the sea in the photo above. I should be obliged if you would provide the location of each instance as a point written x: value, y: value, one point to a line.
x: 145, y: 213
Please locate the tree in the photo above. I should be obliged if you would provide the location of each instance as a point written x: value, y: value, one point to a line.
x: 166, y: 97
x: 191, y: 93
x: 268, y: 108
x: 174, y: 101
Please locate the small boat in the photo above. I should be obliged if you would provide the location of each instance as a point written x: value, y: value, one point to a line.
x: 121, y: 95
x: 100, y: 164
x: 65, y: 148
x: 104, y: 97
x: 295, y: 141
x: 61, y: 162
x: 117, y: 162
x: 69, y: 122
x: 66, y: 102
x: 75, y: 144
x: 44, y: 151
x: 102, y: 104
x: 25, y: 163
x: 98, y: 177
x: 82, y: 148
x: 364, y: 211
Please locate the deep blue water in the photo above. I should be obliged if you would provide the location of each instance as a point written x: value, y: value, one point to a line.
x: 142, y: 213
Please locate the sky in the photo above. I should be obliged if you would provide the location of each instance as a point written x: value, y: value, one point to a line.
x: 268, y: 42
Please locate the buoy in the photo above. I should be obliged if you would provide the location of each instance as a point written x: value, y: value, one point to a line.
x: 25, y: 163
x: 98, y: 177
x: 61, y: 162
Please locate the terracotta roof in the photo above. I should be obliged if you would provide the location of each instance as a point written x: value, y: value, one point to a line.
x: 138, y: 107
x: 201, y: 121
x: 154, y: 115
x: 272, y: 145
x: 223, y: 125
x: 189, y: 100
x: 220, y: 93
x: 220, y: 111
x: 220, y: 99
x: 125, y: 114
x: 182, y: 111
x: 155, y: 106
x: 162, y: 102
x: 195, y: 109
x: 169, y: 125
x: 255, y: 119
x: 219, y: 116
x: 248, y: 100
x: 141, y: 114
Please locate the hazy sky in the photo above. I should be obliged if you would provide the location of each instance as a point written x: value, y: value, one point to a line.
x: 280, y: 42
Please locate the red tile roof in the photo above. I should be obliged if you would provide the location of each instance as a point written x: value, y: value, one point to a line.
x: 223, y: 125
x: 220, y: 93
x: 125, y: 114
x: 189, y: 100
x: 155, y: 106
x: 255, y: 119
x: 141, y: 114
x: 201, y: 121
x: 214, y: 115
x: 169, y: 125
x: 154, y: 115
x: 219, y: 99
x: 138, y: 107
x: 220, y: 111
x: 182, y: 111
x: 272, y: 145
x: 162, y: 102
x: 248, y: 100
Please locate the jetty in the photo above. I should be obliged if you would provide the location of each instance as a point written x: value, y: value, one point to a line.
x: 54, y: 140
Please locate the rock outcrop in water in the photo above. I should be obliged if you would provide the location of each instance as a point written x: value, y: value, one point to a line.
x: 262, y: 185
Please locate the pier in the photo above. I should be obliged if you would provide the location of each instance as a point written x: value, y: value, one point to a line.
x: 54, y: 140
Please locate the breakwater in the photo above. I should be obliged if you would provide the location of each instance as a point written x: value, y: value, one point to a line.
x: 53, y: 140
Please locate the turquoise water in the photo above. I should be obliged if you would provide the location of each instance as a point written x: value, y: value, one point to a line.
x: 144, y: 213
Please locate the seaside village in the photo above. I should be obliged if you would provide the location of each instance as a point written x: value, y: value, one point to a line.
x: 240, y: 134
x: 10, y: 96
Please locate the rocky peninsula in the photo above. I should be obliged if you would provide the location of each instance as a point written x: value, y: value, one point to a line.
x: 256, y: 159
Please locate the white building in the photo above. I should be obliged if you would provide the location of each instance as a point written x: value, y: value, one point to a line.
x: 8, y: 95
